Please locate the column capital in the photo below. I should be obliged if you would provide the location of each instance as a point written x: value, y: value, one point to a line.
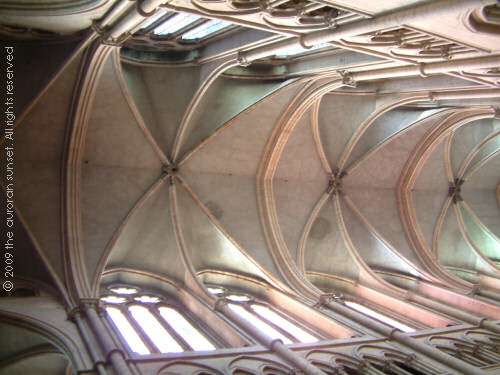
x: 92, y: 303
x: 326, y: 298
x: 220, y: 304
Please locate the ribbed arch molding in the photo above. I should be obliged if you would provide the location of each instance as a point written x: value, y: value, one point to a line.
x: 325, y: 250
x: 434, y: 173
x: 385, y: 127
x: 151, y: 89
x: 469, y: 155
x: 338, y: 121
x: 145, y: 240
x: 480, y: 235
x: 222, y: 170
x: 206, y: 241
x: 118, y: 162
x: 222, y: 101
x: 467, y: 138
x: 298, y: 182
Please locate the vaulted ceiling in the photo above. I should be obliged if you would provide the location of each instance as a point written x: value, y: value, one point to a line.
x: 282, y: 175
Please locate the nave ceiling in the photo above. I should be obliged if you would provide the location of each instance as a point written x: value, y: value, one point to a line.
x: 281, y: 171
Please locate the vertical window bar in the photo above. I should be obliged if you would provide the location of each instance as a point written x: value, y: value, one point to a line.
x: 375, y: 315
x: 185, y: 329
x: 151, y: 20
x: 277, y: 327
x: 175, y: 23
x: 292, y: 329
x: 160, y: 337
x: 259, y: 323
x: 127, y: 331
x: 138, y: 329
x: 171, y: 330
x: 205, y: 29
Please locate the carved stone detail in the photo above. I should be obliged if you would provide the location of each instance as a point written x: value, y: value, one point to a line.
x: 335, y: 183
x: 170, y: 172
x: 454, y: 190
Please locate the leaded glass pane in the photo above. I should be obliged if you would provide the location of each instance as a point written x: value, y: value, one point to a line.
x: 382, y: 318
x: 264, y: 327
x: 288, y: 326
x: 159, y: 335
x: 175, y: 23
x: 190, y: 334
x: 127, y: 331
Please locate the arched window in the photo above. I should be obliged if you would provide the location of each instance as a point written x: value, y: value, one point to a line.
x: 149, y: 324
x: 378, y: 315
x: 187, y: 27
x: 266, y: 318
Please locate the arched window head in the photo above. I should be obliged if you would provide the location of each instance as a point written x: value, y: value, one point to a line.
x: 148, y: 299
x: 267, y: 319
x: 124, y: 289
x: 110, y: 298
x: 148, y: 324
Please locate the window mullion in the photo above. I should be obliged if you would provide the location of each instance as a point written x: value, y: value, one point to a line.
x: 171, y: 330
x: 143, y: 335
x: 248, y: 307
x: 191, y: 26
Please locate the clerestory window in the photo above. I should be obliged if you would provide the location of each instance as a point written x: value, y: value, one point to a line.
x: 175, y: 23
x: 379, y: 316
x: 206, y: 29
x: 301, y: 50
x: 189, y: 27
x: 267, y: 319
x: 149, y: 324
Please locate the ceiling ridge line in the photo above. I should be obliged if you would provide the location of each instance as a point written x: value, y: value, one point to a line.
x: 433, y: 261
x: 436, y: 133
x: 366, y: 275
x: 447, y: 157
x: 220, y: 227
x: 317, y: 140
x: 188, y: 114
x: 484, y: 160
x: 386, y: 243
x: 473, y: 152
x: 397, y: 134
x: 408, y: 177
x: 292, y: 114
x: 480, y: 164
x: 122, y: 226
x: 491, y: 267
x: 478, y: 221
x: 369, y: 121
x: 135, y: 111
x: 191, y: 279
x: 439, y: 226
x: 229, y: 123
x: 301, y: 250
